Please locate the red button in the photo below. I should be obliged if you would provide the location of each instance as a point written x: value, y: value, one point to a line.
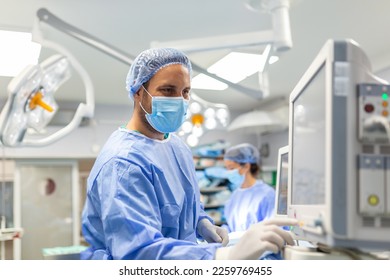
x: 368, y: 108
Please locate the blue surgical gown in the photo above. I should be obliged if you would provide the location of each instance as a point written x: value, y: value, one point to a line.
x: 143, y: 201
x: 249, y: 206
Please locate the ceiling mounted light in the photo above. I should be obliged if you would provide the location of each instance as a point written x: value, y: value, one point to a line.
x: 257, y: 122
x: 31, y: 105
x: 237, y: 66
x: 234, y: 67
x: 31, y: 101
x: 203, y: 81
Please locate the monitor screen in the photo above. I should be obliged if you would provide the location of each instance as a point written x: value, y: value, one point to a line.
x: 282, y: 182
x: 308, y: 163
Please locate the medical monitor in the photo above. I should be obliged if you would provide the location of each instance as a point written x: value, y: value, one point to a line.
x: 339, y: 151
x: 281, y: 183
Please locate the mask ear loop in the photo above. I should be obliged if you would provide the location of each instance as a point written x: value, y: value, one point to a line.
x: 142, y: 98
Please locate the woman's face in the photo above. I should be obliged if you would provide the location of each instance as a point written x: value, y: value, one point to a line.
x: 230, y: 165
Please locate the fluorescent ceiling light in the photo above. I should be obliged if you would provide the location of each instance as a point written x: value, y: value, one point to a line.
x: 16, y: 52
x: 203, y: 81
x: 236, y: 66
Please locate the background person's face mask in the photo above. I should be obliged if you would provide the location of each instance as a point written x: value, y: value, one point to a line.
x: 168, y: 113
x: 235, y: 178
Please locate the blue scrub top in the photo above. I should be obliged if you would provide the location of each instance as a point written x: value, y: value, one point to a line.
x: 143, y: 201
x: 249, y: 206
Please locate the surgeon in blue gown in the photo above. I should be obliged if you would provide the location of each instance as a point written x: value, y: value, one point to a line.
x: 142, y: 193
x: 252, y: 200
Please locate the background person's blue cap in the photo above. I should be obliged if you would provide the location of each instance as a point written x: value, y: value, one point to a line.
x: 148, y: 62
x: 243, y: 153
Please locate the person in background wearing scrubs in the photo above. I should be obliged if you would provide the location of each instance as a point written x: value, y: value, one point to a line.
x: 142, y: 193
x: 252, y: 200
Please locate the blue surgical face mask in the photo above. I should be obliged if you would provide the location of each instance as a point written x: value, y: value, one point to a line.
x: 168, y: 113
x: 235, y: 178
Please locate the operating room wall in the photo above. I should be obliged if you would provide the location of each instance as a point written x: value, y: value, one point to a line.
x: 272, y: 142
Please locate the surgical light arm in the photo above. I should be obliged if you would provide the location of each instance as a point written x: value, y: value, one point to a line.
x: 47, y: 17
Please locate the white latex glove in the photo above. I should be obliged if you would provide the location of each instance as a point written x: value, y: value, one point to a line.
x: 264, y: 236
x: 212, y: 233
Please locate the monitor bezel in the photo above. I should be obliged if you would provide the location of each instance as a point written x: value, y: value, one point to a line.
x: 307, y: 213
x: 337, y: 222
x: 282, y: 151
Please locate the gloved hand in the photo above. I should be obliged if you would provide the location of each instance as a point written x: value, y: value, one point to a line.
x: 212, y: 233
x: 264, y: 236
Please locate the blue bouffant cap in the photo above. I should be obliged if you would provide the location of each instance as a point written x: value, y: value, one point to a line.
x: 148, y: 62
x: 243, y: 153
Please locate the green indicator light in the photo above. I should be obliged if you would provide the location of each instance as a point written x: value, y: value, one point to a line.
x: 385, y: 96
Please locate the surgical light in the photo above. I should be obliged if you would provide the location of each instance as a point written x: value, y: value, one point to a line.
x: 201, y: 117
x: 192, y: 140
x: 31, y: 101
x: 31, y: 105
x: 197, y: 120
x: 222, y: 113
x: 195, y: 107
x: 186, y: 127
x: 181, y: 133
x: 197, y: 131
x: 210, y: 123
x: 257, y: 122
x: 209, y: 113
